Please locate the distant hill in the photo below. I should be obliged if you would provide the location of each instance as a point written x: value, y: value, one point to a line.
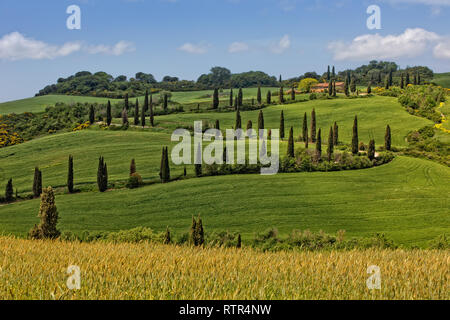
x: 442, y: 79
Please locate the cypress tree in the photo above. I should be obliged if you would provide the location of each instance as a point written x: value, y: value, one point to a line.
x: 225, y: 155
x: 9, y: 191
x: 167, y: 238
x: 387, y: 138
x: 126, y: 102
x: 260, y: 123
x: 371, y: 152
x: 353, y: 85
x: 238, y: 124
x: 305, y: 128
x: 231, y: 97
x: 240, y: 97
x: 282, y: 125
x: 199, y: 232
x: 165, y: 102
x: 108, y: 114
x: 258, y: 96
x: 407, y: 80
x: 330, y: 148
x: 290, y: 150
x: 48, y: 213
x: 239, y: 242
x: 217, y: 125
x: 346, y: 87
x: 102, y: 175
x: 319, y: 145
x: 280, y: 79
x: 415, y: 80
x: 136, y: 113
x: 70, y: 175
x: 330, y: 88
x: 335, y: 134
x: 355, y: 136
x: 390, y: 78
x: 386, y: 83
x: 37, y: 183
x: 216, y: 98
x: 281, y: 95
x: 91, y: 114
x: 313, y: 126
x: 328, y: 74
x: 402, y: 82
x: 333, y: 73
x: 144, y: 109
x: 165, y: 168
x: 419, y: 80
x: 152, y: 116
x: 198, y: 167
x: 293, y: 94
x: 269, y: 97
x: 184, y: 171
x: 334, y: 88
x: 132, y: 167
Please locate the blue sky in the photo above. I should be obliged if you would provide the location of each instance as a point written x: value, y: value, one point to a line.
x: 185, y: 38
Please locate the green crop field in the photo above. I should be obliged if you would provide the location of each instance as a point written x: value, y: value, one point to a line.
x: 442, y: 79
x: 406, y: 199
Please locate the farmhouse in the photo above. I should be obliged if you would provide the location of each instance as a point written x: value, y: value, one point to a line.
x: 321, y: 87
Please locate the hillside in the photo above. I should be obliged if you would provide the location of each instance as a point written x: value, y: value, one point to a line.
x: 442, y: 79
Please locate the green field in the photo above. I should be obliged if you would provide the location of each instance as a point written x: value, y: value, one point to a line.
x: 442, y: 79
x: 406, y: 199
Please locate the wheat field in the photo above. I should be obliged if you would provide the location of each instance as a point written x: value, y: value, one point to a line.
x: 38, y: 270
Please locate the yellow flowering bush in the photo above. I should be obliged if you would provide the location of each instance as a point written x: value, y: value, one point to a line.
x: 81, y: 126
x: 7, y: 137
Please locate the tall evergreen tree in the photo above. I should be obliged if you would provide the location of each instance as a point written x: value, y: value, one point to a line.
x: 419, y: 80
x: 355, y: 136
x: 282, y: 125
x: 200, y: 233
x: 281, y: 95
x: 164, y: 172
x: 280, y: 80
x: 371, y: 151
x: 258, y: 96
x: 124, y: 117
x: 330, y: 146
x: 305, y: 128
x: 290, y: 150
x: 144, y: 109
x: 390, y: 78
x: 48, y: 213
x: 328, y: 74
x: 335, y: 134
x: 346, y: 85
x: 319, y: 145
x: 9, y: 191
x: 136, y: 113
x: 387, y: 138
x: 37, y: 183
x: 165, y: 102
x: 167, y: 238
x: 108, y: 114
x: 238, y: 124
x: 132, y: 167
x: 353, y: 85
x: 313, y: 126
x: 330, y: 88
x: 198, y: 166
x: 239, y: 241
x: 216, y: 98
x: 415, y: 80
x: 152, y: 116
x: 217, y: 126
x: 334, y: 88
x: 249, y: 125
x: 70, y: 175
x: 231, y: 97
x: 386, y: 83
x: 333, y: 73
x: 260, y: 122
x: 240, y: 98
x: 269, y: 97
x: 407, y: 81
x: 402, y: 82
x: 91, y: 114
x: 102, y: 175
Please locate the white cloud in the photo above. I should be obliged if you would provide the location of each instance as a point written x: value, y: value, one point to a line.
x: 442, y: 50
x: 118, y: 49
x: 238, y: 47
x: 283, y: 45
x: 15, y: 46
x: 193, y: 48
x: 411, y: 43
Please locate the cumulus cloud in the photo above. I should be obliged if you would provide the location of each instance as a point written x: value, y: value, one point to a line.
x: 15, y: 46
x: 283, y: 45
x: 238, y: 47
x: 118, y: 49
x: 442, y: 50
x: 411, y: 43
x: 193, y: 48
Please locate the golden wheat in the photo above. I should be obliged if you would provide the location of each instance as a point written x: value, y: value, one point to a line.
x: 38, y: 270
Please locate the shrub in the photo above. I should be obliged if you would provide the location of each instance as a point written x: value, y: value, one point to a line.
x: 134, y: 181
